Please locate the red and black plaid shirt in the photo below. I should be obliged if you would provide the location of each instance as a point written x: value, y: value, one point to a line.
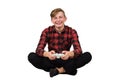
x: 59, y: 41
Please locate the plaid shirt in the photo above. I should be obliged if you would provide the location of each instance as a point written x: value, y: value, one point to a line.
x: 59, y: 41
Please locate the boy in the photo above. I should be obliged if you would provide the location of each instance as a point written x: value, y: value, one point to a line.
x: 59, y: 38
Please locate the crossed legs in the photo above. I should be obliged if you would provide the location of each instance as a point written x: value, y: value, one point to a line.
x: 62, y: 66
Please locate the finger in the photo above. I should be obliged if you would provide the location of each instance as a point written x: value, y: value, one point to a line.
x: 62, y: 58
x: 63, y: 52
x: 52, y: 58
x: 53, y: 52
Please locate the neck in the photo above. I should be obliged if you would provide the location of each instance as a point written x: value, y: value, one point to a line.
x: 59, y: 29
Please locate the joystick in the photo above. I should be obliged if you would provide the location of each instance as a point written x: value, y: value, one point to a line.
x: 58, y: 55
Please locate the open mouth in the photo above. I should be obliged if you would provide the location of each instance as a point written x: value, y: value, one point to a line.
x: 58, y: 23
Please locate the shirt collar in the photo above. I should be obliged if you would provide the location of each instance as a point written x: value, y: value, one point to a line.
x: 54, y: 30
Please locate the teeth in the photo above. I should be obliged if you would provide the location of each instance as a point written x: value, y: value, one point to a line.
x: 58, y: 23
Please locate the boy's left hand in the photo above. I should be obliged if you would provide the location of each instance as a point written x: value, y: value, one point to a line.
x: 67, y: 55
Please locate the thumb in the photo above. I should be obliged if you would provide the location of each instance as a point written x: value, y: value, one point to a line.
x: 52, y: 51
x: 63, y: 52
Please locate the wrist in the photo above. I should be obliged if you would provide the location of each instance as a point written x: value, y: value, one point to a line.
x: 71, y: 54
x: 45, y: 54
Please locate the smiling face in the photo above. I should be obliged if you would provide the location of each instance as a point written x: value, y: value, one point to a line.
x: 58, y: 20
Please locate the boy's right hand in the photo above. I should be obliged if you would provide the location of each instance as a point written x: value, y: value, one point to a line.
x: 50, y: 55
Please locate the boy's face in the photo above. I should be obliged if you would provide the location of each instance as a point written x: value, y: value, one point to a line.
x: 59, y: 19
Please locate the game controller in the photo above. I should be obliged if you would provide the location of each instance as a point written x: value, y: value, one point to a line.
x: 58, y: 55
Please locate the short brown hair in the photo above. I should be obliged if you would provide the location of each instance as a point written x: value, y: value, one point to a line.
x: 55, y: 11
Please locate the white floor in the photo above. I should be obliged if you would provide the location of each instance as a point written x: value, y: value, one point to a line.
x: 96, y: 21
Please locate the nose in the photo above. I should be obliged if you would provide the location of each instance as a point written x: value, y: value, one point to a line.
x: 58, y: 19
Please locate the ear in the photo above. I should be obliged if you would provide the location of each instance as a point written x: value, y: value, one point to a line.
x: 51, y: 20
x: 65, y: 19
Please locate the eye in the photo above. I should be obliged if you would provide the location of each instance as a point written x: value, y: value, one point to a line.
x: 60, y: 17
x: 55, y: 17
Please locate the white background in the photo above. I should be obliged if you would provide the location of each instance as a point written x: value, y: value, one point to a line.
x: 96, y: 21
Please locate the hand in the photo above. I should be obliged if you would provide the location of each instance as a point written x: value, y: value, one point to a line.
x: 67, y: 55
x: 52, y: 51
x: 50, y: 55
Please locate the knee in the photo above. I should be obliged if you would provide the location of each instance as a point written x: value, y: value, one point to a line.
x: 88, y: 56
x: 31, y: 56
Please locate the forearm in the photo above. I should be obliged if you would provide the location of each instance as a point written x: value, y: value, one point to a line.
x: 40, y: 51
x: 76, y: 44
x: 77, y: 52
x: 42, y: 43
x: 47, y: 54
